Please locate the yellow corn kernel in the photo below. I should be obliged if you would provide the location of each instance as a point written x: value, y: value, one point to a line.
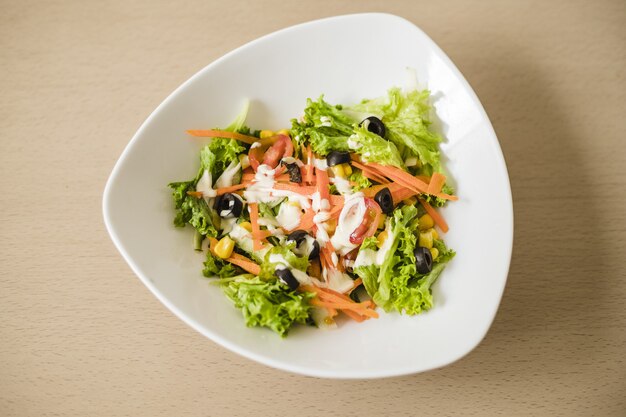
x: 347, y: 169
x: 245, y: 162
x: 426, y: 239
x: 434, y: 233
x: 339, y: 171
x: 382, y: 236
x: 224, y: 247
x: 247, y: 226
x: 329, y: 320
x: 410, y: 201
x: 266, y: 134
x: 381, y: 222
x: 426, y: 222
x: 284, y: 132
x: 331, y: 225
x: 434, y: 252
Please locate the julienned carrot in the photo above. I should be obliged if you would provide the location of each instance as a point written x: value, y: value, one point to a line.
x: 323, y: 183
x: 409, y: 180
x: 332, y: 299
x: 436, y: 183
x: 299, y: 189
x: 224, y: 190
x: 335, y: 211
x: 356, y: 307
x: 437, y: 218
x: 356, y: 283
x: 245, y: 263
x: 251, y: 176
x: 253, y: 208
x: 400, y: 176
x: 370, y: 173
x: 306, y: 221
x: 197, y: 194
x: 215, y: 133
x: 354, y: 316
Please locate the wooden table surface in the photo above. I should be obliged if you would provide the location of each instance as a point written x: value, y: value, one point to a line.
x: 80, y: 335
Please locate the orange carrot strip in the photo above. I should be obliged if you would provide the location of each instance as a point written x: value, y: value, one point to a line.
x: 357, y: 282
x: 354, y: 316
x: 322, y: 183
x: 253, y: 208
x: 215, y: 133
x: 436, y: 182
x: 245, y: 263
x: 300, y: 189
x: 250, y: 177
x: 197, y: 194
x: 306, y: 221
x: 397, y: 174
x: 356, y: 307
x: 370, y: 173
x: 224, y: 190
x: 437, y: 218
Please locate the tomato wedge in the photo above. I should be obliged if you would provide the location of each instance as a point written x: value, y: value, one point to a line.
x: 276, y: 148
x: 369, y: 225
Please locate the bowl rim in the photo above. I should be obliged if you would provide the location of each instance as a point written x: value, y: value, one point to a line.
x: 234, y: 347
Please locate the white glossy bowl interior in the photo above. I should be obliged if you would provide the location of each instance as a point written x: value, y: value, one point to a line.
x: 346, y: 58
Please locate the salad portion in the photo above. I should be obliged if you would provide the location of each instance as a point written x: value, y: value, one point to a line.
x: 336, y: 216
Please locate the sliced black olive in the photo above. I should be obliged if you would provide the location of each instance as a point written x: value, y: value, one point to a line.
x: 384, y: 200
x: 376, y: 126
x: 228, y: 205
x: 336, y: 158
x: 423, y: 260
x: 294, y: 172
x: 287, y: 278
x: 300, y: 237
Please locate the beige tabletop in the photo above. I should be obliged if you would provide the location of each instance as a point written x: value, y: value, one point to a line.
x: 80, y: 335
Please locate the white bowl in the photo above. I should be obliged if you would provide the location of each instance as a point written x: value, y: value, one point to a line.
x: 347, y: 58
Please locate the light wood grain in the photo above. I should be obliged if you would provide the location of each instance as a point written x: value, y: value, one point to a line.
x: 82, y: 336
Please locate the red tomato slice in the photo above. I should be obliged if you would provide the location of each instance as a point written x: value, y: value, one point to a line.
x: 369, y: 225
x: 280, y: 146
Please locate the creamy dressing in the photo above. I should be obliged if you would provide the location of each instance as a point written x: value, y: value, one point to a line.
x: 350, y: 218
x: 291, y: 160
x: 228, y: 176
x: 305, y: 247
x: 228, y: 224
x: 320, y: 164
x: 243, y: 239
x: 352, y: 143
x: 282, y: 263
x: 343, y: 185
x: 205, y: 185
x: 326, y: 121
x: 289, y: 215
x: 338, y: 281
x: 368, y: 257
x: 260, y: 190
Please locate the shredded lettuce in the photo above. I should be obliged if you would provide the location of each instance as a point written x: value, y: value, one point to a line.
x: 192, y: 210
x: 294, y: 261
x: 265, y: 303
x: 373, y: 148
x: 324, y: 126
x: 406, y: 117
x: 218, y: 267
x: 359, y: 181
x: 396, y: 284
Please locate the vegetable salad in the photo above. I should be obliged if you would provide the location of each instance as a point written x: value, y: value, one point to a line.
x: 336, y: 216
